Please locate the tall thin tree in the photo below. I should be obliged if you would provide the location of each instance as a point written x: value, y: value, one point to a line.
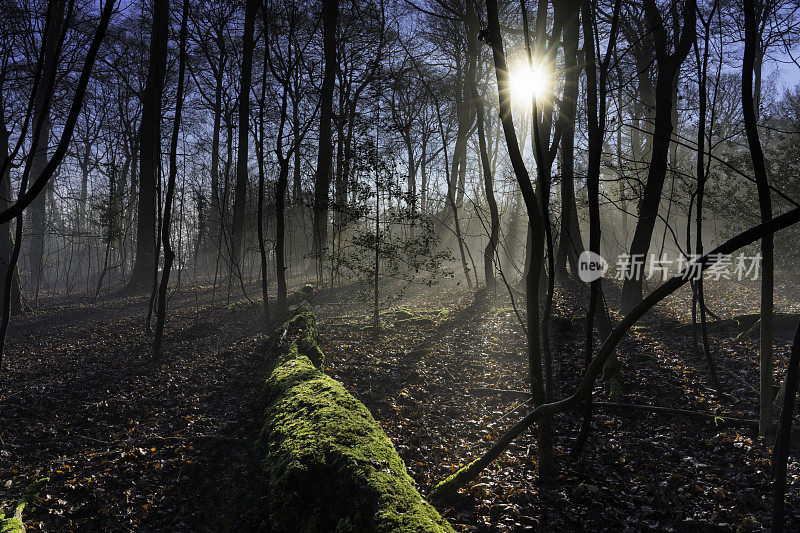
x: 749, y: 111
x: 166, y: 225
x: 330, y: 13
x: 150, y: 151
x: 240, y: 190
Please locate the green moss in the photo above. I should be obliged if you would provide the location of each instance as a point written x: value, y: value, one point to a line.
x: 401, y: 313
x: 329, y: 466
x: 11, y: 520
x: 448, y: 487
x: 303, y: 328
x: 308, y: 346
x: 12, y: 524
x: 301, y: 318
x: 307, y: 290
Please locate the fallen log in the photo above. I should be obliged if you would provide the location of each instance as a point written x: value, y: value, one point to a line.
x: 329, y: 465
x: 11, y: 518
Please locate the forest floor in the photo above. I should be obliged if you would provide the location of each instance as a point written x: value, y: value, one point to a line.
x: 129, y: 443
x: 435, y: 389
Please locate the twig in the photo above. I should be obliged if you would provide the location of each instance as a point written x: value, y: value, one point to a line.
x: 210, y: 438
x: 727, y: 420
x: 506, y: 392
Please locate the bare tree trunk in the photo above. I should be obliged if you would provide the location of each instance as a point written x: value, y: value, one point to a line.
x: 215, y: 204
x: 6, y: 239
x: 150, y: 151
x: 330, y: 13
x: 240, y: 191
x: 423, y: 186
x: 262, y: 247
x: 536, y: 225
x: 113, y: 216
x: 37, y: 214
x: 749, y: 108
x: 280, y: 236
x: 668, y: 65
x: 544, y: 155
x: 169, y: 254
x: 297, y: 189
x: 490, y: 251
x: 570, y: 244
x: 459, y: 156
x: 596, y: 90
x: 701, y: 183
x: 488, y: 179
x: 595, y: 108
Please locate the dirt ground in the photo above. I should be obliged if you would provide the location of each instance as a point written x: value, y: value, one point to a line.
x: 129, y: 443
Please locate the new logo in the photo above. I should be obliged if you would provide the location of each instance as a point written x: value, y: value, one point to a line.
x: 591, y: 266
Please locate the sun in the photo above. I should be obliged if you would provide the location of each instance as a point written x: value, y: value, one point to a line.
x: 527, y: 83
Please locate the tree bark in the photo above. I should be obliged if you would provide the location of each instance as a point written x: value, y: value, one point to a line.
x: 488, y: 179
x: 596, y: 90
x: 749, y: 109
x: 169, y: 254
x: 701, y: 183
x: 215, y: 204
x: 668, y: 66
x: 150, y: 151
x: 330, y: 13
x: 240, y: 190
x: 536, y: 225
x: 570, y: 244
x: 37, y: 215
x: 6, y: 239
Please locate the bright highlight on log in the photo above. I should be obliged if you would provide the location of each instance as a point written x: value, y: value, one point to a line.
x: 528, y: 82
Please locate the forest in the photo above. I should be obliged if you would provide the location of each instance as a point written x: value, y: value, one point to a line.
x: 399, y: 265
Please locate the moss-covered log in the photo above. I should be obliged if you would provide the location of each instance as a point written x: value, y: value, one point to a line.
x: 11, y: 517
x: 329, y: 465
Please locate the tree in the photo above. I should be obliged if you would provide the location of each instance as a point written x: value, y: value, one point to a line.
x: 596, y: 90
x: 211, y: 24
x: 668, y: 64
x: 27, y: 195
x: 749, y: 110
x: 702, y: 175
x: 284, y: 56
x: 570, y: 244
x: 540, y: 413
x: 536, y: 228
x: 240, y: 192
x: 169, y: 254
x: 144, y: 269
x: 37, y: 215
x: 6, y: 239
x: 330, y: 11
